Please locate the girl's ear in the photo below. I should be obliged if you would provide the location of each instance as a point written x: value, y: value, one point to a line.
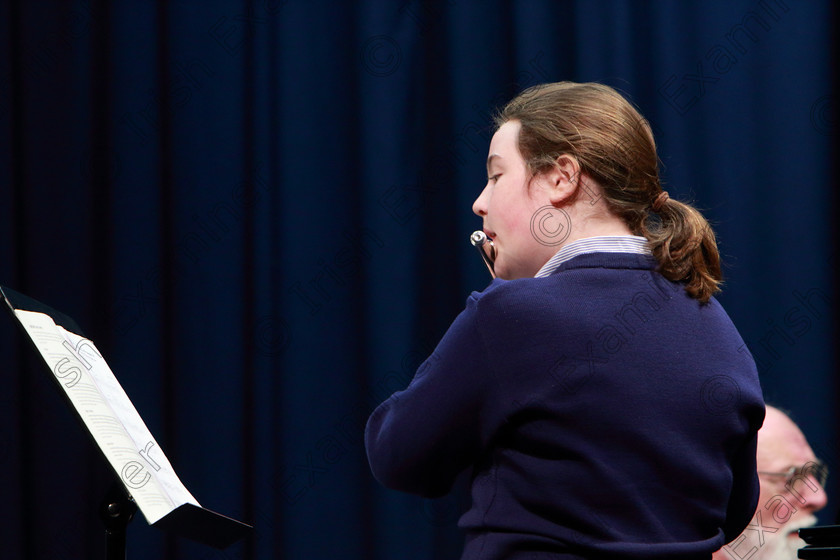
x: 563, y: 180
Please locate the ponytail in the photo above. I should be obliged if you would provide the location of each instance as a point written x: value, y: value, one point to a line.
x: 684, y: 245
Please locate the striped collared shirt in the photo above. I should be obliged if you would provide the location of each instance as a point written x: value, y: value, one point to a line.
x: 603, y: 244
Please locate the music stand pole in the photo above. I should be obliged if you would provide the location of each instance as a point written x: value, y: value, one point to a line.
x: 116, y: 511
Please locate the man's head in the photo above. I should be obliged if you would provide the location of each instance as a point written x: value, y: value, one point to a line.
x: 790, y: 478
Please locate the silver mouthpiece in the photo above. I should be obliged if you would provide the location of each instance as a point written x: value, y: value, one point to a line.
x: 479, y: 240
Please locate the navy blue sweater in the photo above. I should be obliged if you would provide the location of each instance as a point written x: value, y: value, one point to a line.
x: 604, y: 414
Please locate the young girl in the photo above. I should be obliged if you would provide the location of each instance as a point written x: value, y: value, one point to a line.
x: 603, y: 400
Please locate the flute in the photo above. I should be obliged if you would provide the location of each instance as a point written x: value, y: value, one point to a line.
x: 479, y: 239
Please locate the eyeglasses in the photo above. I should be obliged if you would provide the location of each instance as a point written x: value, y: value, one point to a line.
x: 817, y: 469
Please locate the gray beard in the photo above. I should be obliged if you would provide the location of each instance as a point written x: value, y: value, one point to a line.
x: 781, y: 547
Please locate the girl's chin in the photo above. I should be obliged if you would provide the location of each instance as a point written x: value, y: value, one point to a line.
x: 507, y: 274
x: 507, y: 270
x: 500, y: 268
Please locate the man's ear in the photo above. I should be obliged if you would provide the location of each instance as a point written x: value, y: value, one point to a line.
x: 563, y: 180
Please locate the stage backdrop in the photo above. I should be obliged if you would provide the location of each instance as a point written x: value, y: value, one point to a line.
x: 259, y: 211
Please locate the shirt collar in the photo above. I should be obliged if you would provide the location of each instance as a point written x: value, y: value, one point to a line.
x: 603, y: 244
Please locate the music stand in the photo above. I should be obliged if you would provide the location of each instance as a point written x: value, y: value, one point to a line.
x: 146, y: 478
x: 823, y: 542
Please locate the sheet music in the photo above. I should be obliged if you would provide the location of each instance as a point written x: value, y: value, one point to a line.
x: 109, y: 416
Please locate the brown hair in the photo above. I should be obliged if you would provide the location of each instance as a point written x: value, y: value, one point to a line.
x: 614, y: 145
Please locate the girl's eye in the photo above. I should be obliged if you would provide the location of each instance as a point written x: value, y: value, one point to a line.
x: 494, y: 177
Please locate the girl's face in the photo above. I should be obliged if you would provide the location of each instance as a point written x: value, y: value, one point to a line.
x: 508, y: 204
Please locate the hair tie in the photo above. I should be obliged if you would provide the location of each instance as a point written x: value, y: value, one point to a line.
x: 657, y: 203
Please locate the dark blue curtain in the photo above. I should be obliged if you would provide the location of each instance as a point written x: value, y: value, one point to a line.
x: 259, y: 211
